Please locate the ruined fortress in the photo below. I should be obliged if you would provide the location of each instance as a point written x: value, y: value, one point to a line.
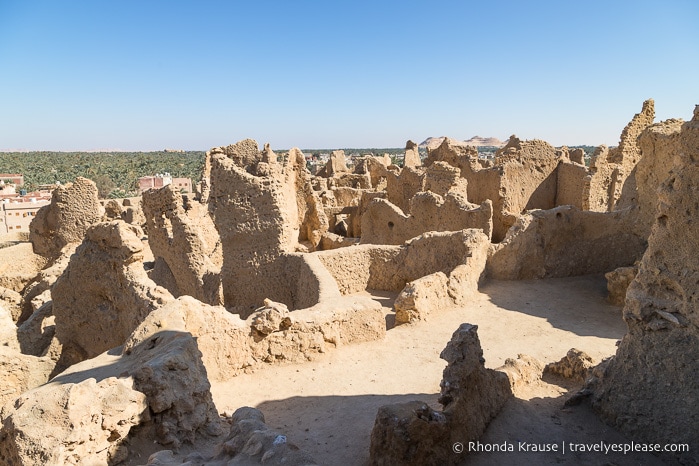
x: 135, y: 307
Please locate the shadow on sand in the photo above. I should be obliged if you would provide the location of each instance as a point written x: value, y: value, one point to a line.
x: 574, y: 304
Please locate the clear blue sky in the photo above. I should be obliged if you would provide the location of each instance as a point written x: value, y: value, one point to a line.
x: 146, y: 74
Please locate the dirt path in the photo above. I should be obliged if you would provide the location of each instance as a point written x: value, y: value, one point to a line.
x: 328, y: 406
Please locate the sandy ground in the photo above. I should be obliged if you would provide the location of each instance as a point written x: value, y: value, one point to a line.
x: 328, y: 406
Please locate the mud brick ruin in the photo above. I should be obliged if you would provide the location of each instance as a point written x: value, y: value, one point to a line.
x: 139, y: 304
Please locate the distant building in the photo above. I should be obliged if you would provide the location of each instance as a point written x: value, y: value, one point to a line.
x: 11, y: 178
x: 17, y: 213
x: 158, y: 181
x: 182, y: 184
x: 48, y: 187
x: 17, y: 209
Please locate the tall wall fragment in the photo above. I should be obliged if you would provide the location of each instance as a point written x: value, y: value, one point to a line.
x: 610, y: 168
x: 185, y: 237
x: 412, y: 155
x: 649, y: 388
x: 254, y: 201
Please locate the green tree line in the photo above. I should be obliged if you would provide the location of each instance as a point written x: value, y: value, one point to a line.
x: 115, y: 173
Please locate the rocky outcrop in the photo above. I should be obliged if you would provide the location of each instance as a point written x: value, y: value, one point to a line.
x: 575, y: 365
x: 649, y: 387
x: 16, y: 275
x: 12, y: 302
x: 618, y: 281
x: 159, y: 385
x: 89, y: 420
x: 104, y: 293
x: 44, y: 281
x: 74, y: 208
x: 250, y: 441
x: 471, y: 396
x: 182, y: 233
x: 20, y: 372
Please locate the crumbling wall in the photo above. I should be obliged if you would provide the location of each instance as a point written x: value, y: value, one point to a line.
x: 442, y: 290
x: 659, y: 144
x: 376, y: 167
x: 12, y: 302
x: 649, y: 388
x: 610, y: 168
x: 522, y: 178
x: 271, y: 334
x: 112, y: 210
x: 528, y: 180
x: 442, y: 178
x: 74, y: 208
x: 384, y: 267
x: 457, y: 155
x: 401, y: 187
x: 309, y: 281
x: 572, y: 184
x: 565, y: 241
x: 44, y: 281
x: 254, y: 206
x: 440, y: 204
x: 185, y: 237
x: 16, y: 275
x: 384, y: 223
x: 8, y: 330
x: 312, y: 218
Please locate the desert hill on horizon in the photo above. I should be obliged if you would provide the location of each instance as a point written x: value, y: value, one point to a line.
x: 433, y: 142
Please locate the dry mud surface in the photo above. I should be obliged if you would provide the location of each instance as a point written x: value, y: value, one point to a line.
x: 328, y: 406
